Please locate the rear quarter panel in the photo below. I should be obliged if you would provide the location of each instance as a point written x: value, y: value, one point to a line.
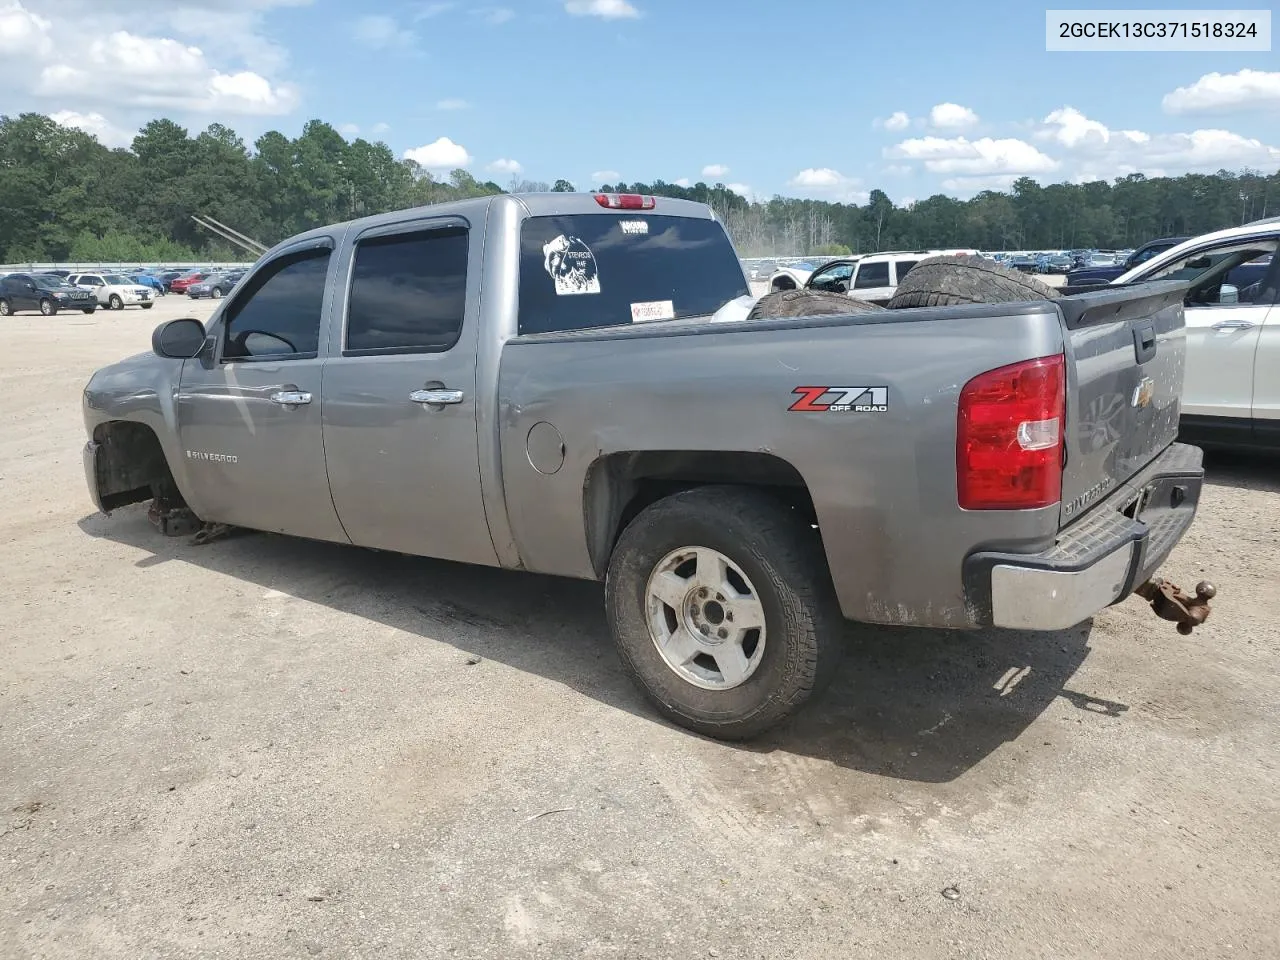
x: 883, y: 484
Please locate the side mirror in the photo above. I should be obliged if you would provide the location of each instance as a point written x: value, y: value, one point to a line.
x: 1227, y: 293
x: 1200, y: 263
x: 179, y: 339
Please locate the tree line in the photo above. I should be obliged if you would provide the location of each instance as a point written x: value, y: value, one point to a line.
x: 65, y: 196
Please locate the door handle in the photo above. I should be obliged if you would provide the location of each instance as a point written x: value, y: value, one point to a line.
x: 436, y: 397
x: 290, y: 398
x: 1232, y: 325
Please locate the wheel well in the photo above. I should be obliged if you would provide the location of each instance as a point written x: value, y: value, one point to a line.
x: 131, y: 466
x: 620, y: 485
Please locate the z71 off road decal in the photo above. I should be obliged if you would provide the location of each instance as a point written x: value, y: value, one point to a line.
x: 841, y: 400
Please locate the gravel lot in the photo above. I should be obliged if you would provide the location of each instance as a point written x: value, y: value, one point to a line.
x: 275, y: 748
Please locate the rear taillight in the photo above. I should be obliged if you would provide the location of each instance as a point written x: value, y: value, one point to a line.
x: 1009, y: 437
x: 625, y: 201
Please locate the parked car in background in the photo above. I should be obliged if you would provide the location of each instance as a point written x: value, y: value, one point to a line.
x: 873, y: 277
x: 1054, y: 263
x: 148, y: 280
x: 43, y: 292
x: 216, y: 285
x: 168, y: 276
x: 113, y: 290
x: 1109, y: 270
x: 1231, y: 394
x: 180, y: 284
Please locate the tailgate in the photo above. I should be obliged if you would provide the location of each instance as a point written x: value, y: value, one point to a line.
x: 1126, y: 351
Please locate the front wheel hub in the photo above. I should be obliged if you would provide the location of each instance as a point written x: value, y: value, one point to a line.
x: 705, y: 618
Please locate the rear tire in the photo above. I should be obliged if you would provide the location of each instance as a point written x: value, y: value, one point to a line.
x: 808, y: 303
x: 48, y: 308
x: 949, y: 281
x: 761, y: 561
x: 5, y: 309
x: 89, y: 310
x: 217, y: 293
x: 146, y: 306
x: 114, y: 302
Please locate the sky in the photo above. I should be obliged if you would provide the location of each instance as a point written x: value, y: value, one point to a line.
x: 817, y: 98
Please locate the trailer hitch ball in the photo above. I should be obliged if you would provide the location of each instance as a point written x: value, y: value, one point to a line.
x: 1169, y: 602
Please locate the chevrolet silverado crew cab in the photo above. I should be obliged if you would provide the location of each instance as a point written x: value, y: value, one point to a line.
x: 570, y: 384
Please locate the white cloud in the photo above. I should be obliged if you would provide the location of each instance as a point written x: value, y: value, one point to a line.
x: 606, y: 9
x: 1222, y: 93
x: 983, y: 157
x: 443, y: 154
x: 742, y: 190
x: 1094, y: 152
x: 349, y: 130
x: 1070, y: 128
x: 108, y: 133
x: 127, y: 69
x: 452, y: 104
x: 115, y: 66
x: 829, y: 184
x: 606, y: 176
x: 907, y: 202
x: 380, y: 128
x: 24, y: 32
x: 497, y: 15
x: 898, y: 120
x: 684, y: 182
x: 382, y: 33
x: 716, y: 170
x: 952, y: 116
x: 503, y: 165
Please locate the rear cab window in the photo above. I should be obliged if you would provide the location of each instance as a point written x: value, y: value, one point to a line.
x: 603, y: 270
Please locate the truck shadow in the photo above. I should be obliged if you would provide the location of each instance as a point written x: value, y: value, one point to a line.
x: 1243, y: 470
x: 915, y: 704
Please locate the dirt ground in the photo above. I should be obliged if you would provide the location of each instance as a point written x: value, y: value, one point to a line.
x: 274, y: 748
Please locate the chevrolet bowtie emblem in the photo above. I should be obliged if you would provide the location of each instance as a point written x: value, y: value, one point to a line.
x: 1143, y: 392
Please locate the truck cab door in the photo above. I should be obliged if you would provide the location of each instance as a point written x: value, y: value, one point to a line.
x: 248, y: 409
x: 400, y: 392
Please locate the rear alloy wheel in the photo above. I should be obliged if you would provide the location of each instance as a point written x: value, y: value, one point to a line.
x: 114, y: 302
x: 722, y: 610
x: 217, y: 293
x: 48, y: 308
x: 5, y: 309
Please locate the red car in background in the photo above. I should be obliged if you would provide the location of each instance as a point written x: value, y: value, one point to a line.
x: 181, y: 283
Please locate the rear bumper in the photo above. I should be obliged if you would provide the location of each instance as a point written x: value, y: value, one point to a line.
x: 1099, y: 559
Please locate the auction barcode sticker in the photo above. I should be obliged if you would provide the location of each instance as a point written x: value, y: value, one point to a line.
x: 1161, y: 30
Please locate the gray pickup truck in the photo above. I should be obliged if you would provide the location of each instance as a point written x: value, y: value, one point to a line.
x: 558, y: 383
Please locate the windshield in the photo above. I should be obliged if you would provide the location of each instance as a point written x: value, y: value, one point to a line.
x: 115, y: 278
x: 50, y: 283
x: 595, y: 270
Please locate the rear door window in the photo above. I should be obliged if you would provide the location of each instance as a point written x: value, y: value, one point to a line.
x: 872, y: 275
x: 601, y: 270
x: 408, y: 293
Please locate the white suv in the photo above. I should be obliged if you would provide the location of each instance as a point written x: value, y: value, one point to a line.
x: 114, y: 291
x: 874, y: 277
